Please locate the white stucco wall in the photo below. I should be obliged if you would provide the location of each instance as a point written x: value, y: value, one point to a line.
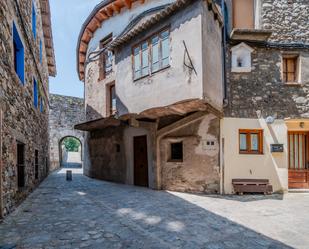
x: 170, y: 85
x: 272, y: 166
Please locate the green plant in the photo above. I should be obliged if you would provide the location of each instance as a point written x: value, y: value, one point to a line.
x: 71, y: 144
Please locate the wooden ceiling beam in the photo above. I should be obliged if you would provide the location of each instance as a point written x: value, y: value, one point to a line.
x: 116, y: 8
x: 109, y: 10
x: 128, y: 3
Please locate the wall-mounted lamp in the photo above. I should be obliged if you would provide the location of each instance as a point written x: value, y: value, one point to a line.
x: 301, y: 124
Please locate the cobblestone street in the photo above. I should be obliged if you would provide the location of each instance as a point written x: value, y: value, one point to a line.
x: 87, y: 213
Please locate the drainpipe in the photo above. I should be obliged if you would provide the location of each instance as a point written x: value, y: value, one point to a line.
x: 224, y: 29
x: 1, y: 163
x: 225, y: 97
x: 171, y: 128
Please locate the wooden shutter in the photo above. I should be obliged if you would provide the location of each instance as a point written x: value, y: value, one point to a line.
x: 243, y: 14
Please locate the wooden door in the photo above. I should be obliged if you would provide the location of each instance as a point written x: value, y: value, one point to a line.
x: 298, y: 159
x: 140, y: 161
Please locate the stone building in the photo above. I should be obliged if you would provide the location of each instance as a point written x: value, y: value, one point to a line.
x: 153, y: 93
x: 64, y: 113
x: 265, y: 130
x: 27, y: 60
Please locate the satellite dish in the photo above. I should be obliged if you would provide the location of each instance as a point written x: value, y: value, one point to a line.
x: 270, y: 120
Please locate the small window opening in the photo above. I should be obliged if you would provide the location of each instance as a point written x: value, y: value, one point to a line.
x: 118, y: 147
x: 177, y: 151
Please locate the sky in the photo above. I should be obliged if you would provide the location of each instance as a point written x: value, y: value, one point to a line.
x: 67, y: 19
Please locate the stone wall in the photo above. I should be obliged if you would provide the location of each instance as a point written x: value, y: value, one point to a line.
x: 65, y: 112
x: 199, y: 171
x: 288, y: 19
x: 21, y: 122
x: 262, y: 90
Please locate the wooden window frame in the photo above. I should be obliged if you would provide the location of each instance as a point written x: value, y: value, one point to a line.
x: 150, y: 49
x: 102, y: 61
x: 109, y: 100
x: 285, y: 72
x: 248, y: 133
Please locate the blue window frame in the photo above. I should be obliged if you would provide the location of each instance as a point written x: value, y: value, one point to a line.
x: 41, y: 52
x: 33, y: 20
x: 35, y: 94
x: 19, y: 56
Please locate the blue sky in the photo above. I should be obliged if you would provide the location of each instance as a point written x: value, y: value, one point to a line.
x: 67, y: 19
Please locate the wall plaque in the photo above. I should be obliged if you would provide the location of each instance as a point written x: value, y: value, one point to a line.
x: 276, y: 148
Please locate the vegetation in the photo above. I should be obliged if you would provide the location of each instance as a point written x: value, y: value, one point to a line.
x: 71, y: 144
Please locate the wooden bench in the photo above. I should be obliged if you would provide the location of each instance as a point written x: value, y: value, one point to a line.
x: 252, y: 186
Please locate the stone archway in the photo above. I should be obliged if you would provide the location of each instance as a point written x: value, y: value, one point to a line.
x: 64, y: 113
x: 70, y: 152
x: 56, y: 153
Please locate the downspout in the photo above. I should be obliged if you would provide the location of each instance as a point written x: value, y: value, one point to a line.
x: 168, y: 129
x: 225, y: 97
x: 224, y: 29
x: 1, y: 164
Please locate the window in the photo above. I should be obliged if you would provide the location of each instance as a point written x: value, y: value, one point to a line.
x: 106, y: 58
x: 36, y: 164
x: 152, y: 55
x: 18, y: 54
x: 33, y: 20
x: 35, y: 94
x: 176, y: 152
x: 20, y: 165
x: 289, y: 69
x: 41, y: 52
x: 112, y: 100
x: 251, y: 141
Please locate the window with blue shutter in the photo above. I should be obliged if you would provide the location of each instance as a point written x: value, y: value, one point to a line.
x: 19, y: 57
x: 33, y: 20
x: 35, y: 94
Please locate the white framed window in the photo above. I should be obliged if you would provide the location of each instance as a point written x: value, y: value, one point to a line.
x: 152, y: 55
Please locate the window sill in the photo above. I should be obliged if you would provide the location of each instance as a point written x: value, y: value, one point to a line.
x: 241, y: 69
x: 292, y: 84
x: 250, y: 153
x: 175, y: 161
x: 150, y: 75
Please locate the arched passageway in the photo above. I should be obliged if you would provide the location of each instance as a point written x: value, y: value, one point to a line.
x: 70, y: 152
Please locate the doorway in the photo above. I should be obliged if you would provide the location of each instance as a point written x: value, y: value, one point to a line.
x: 140, y: 161
x: 20, y: 165
x: 298, y: 159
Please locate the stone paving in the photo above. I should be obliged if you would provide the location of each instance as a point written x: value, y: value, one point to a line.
x: 88, y: 213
